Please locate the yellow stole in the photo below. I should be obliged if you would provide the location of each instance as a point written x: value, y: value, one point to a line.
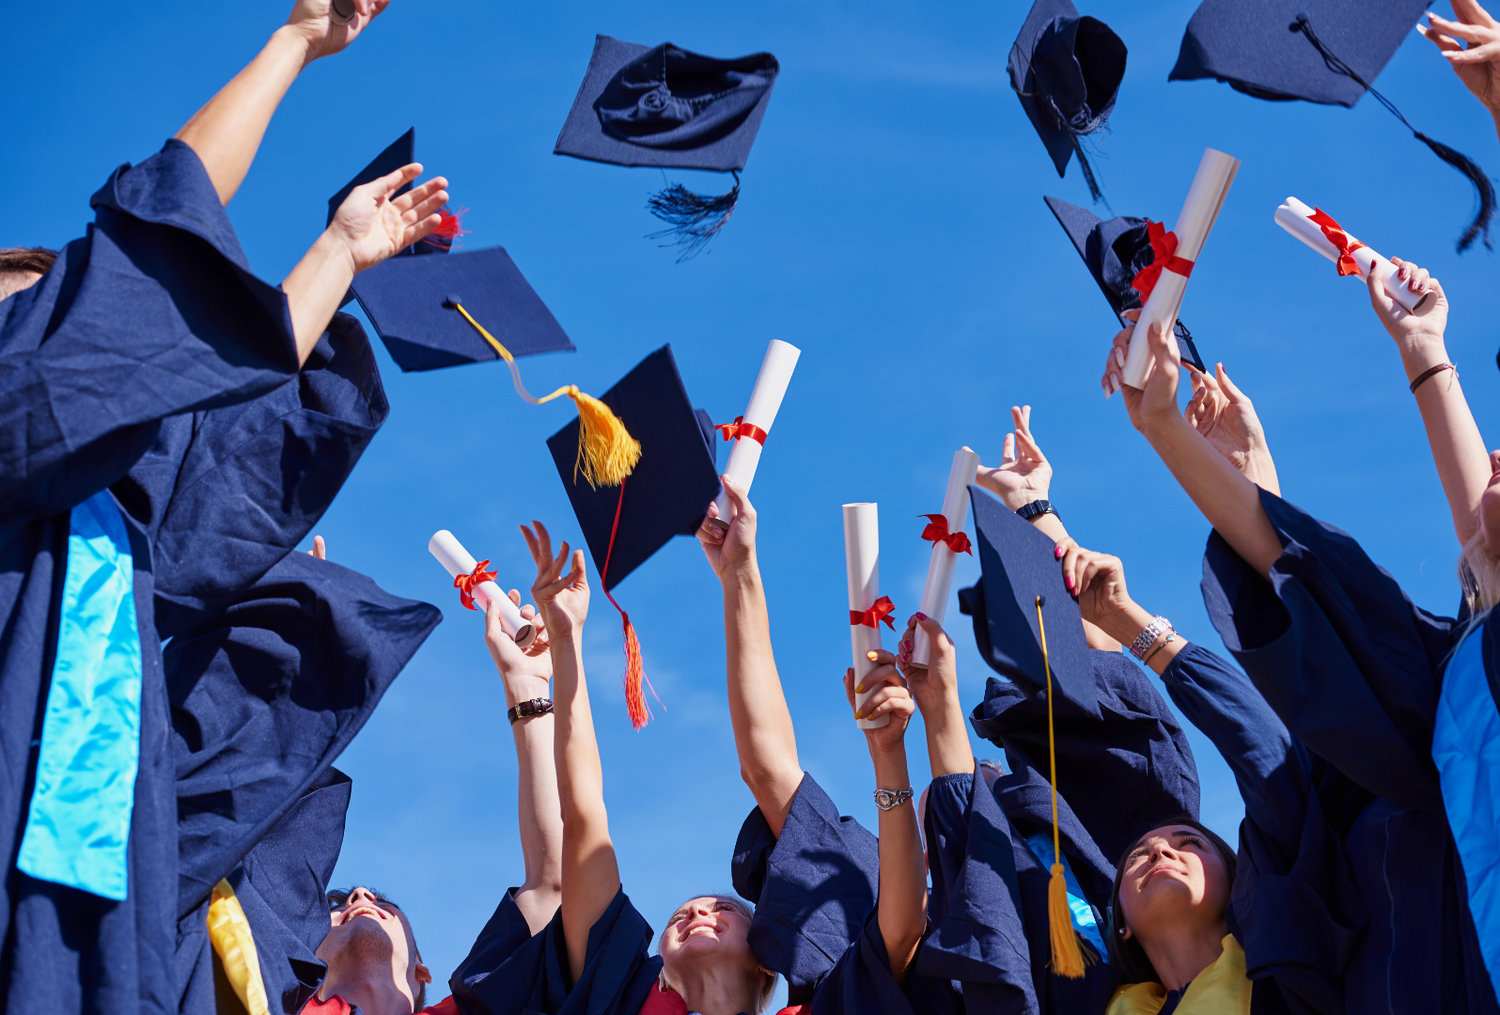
x: 235, y: 945
x: 1221, y: 989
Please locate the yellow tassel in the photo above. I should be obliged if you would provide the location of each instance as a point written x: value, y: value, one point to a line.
x: 606, y: 451
x: 1067, y: 957
x: 229, y: 932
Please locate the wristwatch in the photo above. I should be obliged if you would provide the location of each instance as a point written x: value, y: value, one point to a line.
x: 1031, y: 512
x: 533, y: 706
x: 889, y: 799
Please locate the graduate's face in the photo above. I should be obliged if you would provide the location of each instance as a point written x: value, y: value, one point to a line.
x: 710, y: 927
x: 1489, y: 507
x: 1174, y: 874
x: 366, y: 929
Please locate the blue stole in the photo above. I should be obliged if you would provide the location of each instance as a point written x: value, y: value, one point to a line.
x: 1085, y: 920
x: 78, y: 824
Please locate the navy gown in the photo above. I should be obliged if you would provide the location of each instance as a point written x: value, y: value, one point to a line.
x: 990, y: 851
x: 1356, y: 672
x: 154, y: 313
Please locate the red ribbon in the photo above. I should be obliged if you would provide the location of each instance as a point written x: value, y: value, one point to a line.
x: 872, y: 617
x: 1163, y: 258
x: 937, y: 532
x: 739, y: 428
x: 1335, y: 234
x: 466, y: 583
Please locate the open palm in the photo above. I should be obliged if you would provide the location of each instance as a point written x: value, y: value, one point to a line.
x: 373, y: 226
x: 562, y: 598
x: 1024, y: 475
x: 1477, y: 64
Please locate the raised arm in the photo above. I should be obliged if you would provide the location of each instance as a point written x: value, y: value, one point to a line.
x: 1477, y: 64
x: 525, y: 674
x: 763, y: 733
x: 590, y: 875
x: 226, y: 133
x: 934, y: 688
x: 901, y: 911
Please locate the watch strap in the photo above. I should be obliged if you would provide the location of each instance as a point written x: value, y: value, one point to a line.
x: 528, y: 708
x: 1036, y: 509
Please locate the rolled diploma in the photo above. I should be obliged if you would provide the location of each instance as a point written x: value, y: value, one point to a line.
x: 940, y: 567
x: 765, y: 402
x: 456, y: 560
x: 1204, y: 199
x: 1296, y: 218
x: 862, y: 558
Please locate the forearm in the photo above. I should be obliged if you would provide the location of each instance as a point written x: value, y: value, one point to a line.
x: 314, y: 290
x: 948, y: 749
x: 540, y: 811
x: 226, y: 133
x: 1458, y: 450
x: 1053, y: 528
x: 1127, y: 625
x: 763, y: 732
x: 1260, y: 469
x: 902, y: 911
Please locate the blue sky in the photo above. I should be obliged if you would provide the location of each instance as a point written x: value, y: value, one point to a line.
x: 891, y: 224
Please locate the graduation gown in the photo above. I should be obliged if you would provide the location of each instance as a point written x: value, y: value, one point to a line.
x: 152, y: 314
x: 1355, y: 671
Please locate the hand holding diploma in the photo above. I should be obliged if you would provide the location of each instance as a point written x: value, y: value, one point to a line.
x: 1318, y: 230
x: 867, y: 607
x: 749, y: 432
x: 477, y: 586
x: 946, y: 532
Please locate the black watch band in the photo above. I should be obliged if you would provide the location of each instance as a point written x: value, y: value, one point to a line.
x: 1031, y: 512
x: 530, y: 707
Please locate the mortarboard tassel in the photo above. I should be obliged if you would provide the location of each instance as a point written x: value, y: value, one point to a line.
x: 635, y: 666
x: 606, y: 451
x: 694, y: 219
x: 449, y: 229
x: 1067, y: 958
x: 1483, y: 188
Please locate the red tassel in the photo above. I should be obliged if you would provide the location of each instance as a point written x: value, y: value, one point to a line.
x: 635, y: 676
x: 449, y: 229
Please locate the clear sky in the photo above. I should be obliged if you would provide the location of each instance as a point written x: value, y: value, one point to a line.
x: 891, y: 224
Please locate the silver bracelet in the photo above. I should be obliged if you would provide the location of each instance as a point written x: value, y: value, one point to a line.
x: 1153, y: 631
x: 890, y: 799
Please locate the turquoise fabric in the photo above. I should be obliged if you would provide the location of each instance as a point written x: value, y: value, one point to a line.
x: 1466, y: 748
x: 78, y: 824
x: 1085, y: 920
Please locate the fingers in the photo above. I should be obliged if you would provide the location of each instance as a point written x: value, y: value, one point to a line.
x: 388, y: 184
x: 1471, y: 12
x: 1231, y: 391
x: 849, y: 686
x: 1457, y: 29
x: 893, y: 701
x: 320, y: 548
x: 934, y: 631
x: 1114, y: 364
x: 409, y: 200
x: 885, y: 672
x: 908, y: 641
x: 1415, y: 276
x: 1383, y: 304
x: 1474, y: 54
x: 710, y: 534
x: 1028, y: 443
x: 1443, y: 42
x: 1133, y: 315
x: 1008, y: 451
x: 738, y: 498
x: 533, y: 546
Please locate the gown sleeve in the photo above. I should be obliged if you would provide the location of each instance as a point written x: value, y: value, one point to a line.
x: 861, y: 981
x: 505, y: 934
x: 267, y: 693
x: 1341, y: 655
x: 813, y: 888
x: 155, y: 312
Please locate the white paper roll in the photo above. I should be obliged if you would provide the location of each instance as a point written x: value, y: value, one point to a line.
x: 456, y: 561
x: 940, y: 567
x: 765, y: 402
x: 1204, y: 199
x: 862, y: 558
x: 1296, y: 218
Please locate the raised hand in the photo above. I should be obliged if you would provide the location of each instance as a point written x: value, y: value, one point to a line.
x: 1224, y: 415
x: 563, y: 599
x: 372, y: 226
x: 1156, y: 403
x: 317, y: 23
x: 732, y: 549
x: 525, y: 672
x: 1477, y: 64
x: 1097, y: 582
x: 320, y: 548
x: 1411, y: 330
x: 890, y: 697
x: 931, y: 684
x: 1024, y: 475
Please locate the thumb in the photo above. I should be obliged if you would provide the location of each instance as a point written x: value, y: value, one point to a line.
x: 1383, y: 304
x: 737, y: 496
x: 1229, y: 387
x: 936, y: 636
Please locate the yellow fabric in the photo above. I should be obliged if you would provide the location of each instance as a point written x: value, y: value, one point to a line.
x: 1067, y: 957
x: 1221, y: 989
x: 235, y: 945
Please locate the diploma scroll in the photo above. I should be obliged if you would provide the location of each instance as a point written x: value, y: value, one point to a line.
x: 1298, y: 219
x: 457, y: 561
x: 765, y: 402
x: 940, y: 568
x: 862, y: 558
x: 1204, y: 199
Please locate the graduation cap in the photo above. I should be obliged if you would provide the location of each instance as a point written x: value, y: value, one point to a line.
x: 672, y: 109
x: 1116, y: 251
x: 667, y: 495
x: 1066, y: 70
x: 403, y: 152
x: 1326, y: 51
x: 1029, y: 630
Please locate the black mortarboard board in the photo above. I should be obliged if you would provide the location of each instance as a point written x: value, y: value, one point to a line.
x: 1067, y: 70
x: 1018, y: 564
x: 1327, y: 51
x: 401, y: 152
x: 672, y: 485
x: 671, y: 109
x: 413, y: 303
x: 1114, y: 250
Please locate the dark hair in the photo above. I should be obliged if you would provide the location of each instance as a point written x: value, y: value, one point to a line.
x: 1128, y: 955
x: 24, y: 259
x: 338, y: 896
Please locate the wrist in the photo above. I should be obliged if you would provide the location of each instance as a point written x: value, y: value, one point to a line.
x: 296, y: 42
x: 333, y: 249
x: 890, y: 764
x: 741, y: 577
x: 1420, y: 352
x: 1126, y: 625
x: 524, y: 688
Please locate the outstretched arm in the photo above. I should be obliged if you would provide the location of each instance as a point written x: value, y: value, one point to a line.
x: 590, y: 875
x: 226, y: 133
x: 1477, y: 64
x: 525, y: 673
x: 763, y: 732
x: 934, y: 687
x: 902, y: 908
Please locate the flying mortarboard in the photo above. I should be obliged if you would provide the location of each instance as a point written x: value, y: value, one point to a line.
x: 1115, y: 251
x: 1067, y: 71
x: 1029, y: 630
x: 666, y: 495
x: 403, y: 152
x: 672, y: 109
x: 1326, y: 51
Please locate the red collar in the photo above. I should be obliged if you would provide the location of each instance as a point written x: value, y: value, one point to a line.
x: 669, y: 1002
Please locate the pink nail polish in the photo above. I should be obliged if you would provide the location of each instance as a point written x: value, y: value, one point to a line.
x: 921, y: 616
x: 1057, y: 552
